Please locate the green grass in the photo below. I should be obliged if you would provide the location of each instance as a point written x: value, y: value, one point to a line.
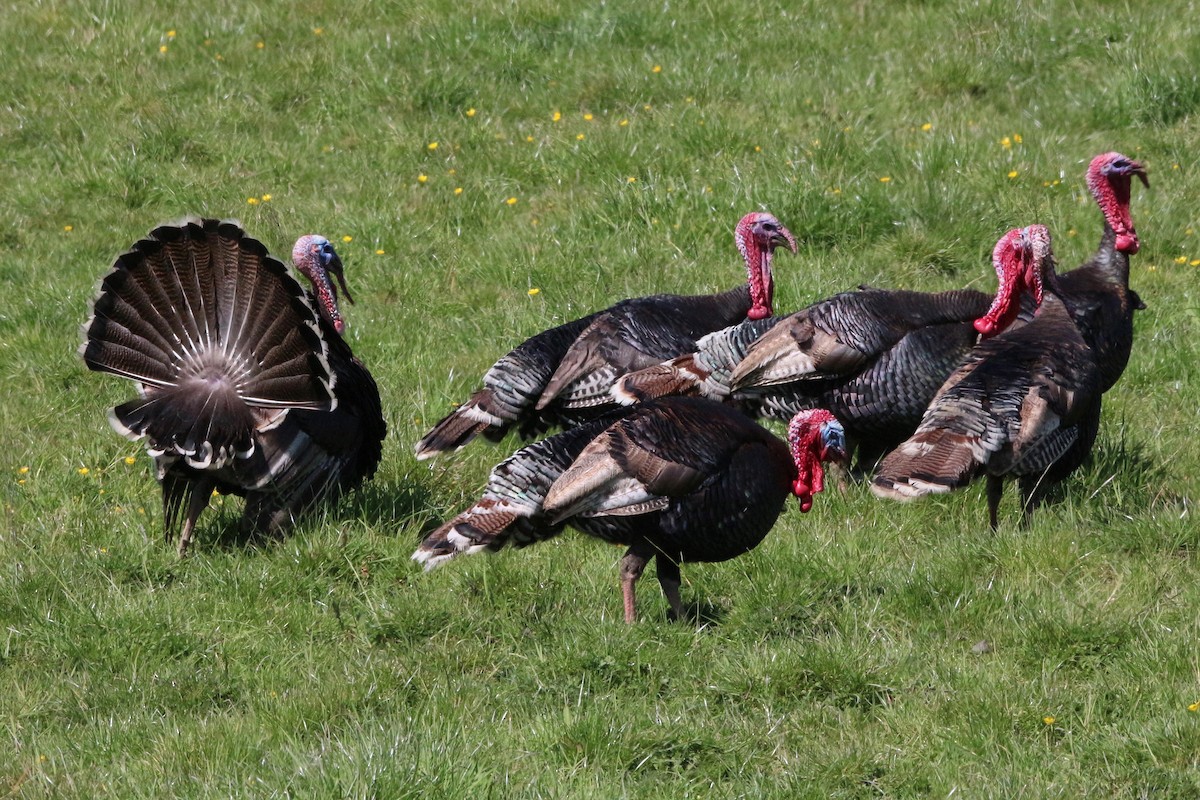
x: 839, y: 659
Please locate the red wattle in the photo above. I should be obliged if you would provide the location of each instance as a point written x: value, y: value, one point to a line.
x: 758, y: 312
x: 1128, y: 243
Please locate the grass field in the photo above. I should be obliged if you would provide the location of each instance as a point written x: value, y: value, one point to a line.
x: 488, y: 170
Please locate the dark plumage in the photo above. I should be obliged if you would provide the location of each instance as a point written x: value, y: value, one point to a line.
x: 1025, y: 403
x: 563, y: 376
x: 246, y: 384
x: 1097, y: 291
x: 873, y: 357
x: 683, y: 479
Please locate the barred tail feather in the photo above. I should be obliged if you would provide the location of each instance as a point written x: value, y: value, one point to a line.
x: 460, y: 426
x: 481, y: 527
x: 933, y: 461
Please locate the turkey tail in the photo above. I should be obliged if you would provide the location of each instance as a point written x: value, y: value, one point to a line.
x: 460, y: 426
x: 933, y: 461
x: 219, y: 336
x: 480, y: 527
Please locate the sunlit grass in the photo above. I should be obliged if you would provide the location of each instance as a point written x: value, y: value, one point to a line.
x: 488, y: 173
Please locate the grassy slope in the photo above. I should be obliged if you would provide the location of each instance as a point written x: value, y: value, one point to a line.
x: 840, y: 660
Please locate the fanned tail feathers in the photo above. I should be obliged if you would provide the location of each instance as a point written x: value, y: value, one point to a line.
x: 217, y: 333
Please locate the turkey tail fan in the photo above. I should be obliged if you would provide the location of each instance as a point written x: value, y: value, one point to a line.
x: 218, y: 334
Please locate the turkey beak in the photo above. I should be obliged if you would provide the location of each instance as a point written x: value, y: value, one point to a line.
x: 783, y: 238
x: 1137, y: 168
x: 334, y: 267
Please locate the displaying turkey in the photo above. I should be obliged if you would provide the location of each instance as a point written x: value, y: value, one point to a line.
x: 680, y: 479
x: 874, y: 357
x: 246, y: 384
x: 1025, y: 404
x: 563, y: 376
x: 1098, y: 291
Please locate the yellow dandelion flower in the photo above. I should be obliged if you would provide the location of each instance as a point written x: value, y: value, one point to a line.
x: 1174, y: 166
x: 260, y: 45
x: 646, y: 107
x: 631, y: 179
x: 556, y: 116
x: 83, y: 470
x: 432, y: 146
x: 1181, y: 260
x: 170, y: 34
x: 101, y: 491
x: 252, y: 201
x: 105, y: 549
x: 141, y: 510
x: 457, y: 191
x: 1186, y: 232
x: 533, y: 291
x: 1194, y: 707
x: 21, y: 482
x: 927, y: 127
x: 1048, y: 720
x: 379, y: 252
x: 1016, y: 138
x: 318, y: 31
x: 579, y: 137
x: 266, y: 198
x: 452, y: 171
x: 623, y: 123
x: 470, y: 112
x: 656, y: 69
x: 68, y: 228
x: 422, y: 178
x: 886, y: 179
x: 130, y: 460
x: 162, y: 48
x: 1195, y: 262
x: 347, y: 238
x: 216, y: 493
x: 512, y: 201
x: 1006, y: 143
x: 529, y: 138
x: 23, y: 471
x: 587, y: 117
x: 835, y: 190
x: 1012, y: 173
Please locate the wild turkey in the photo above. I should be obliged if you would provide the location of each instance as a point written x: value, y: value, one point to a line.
x: 562, y: 376
x: 873, y: 357
x: 680, y: 478
x: 1098, y: 291
x: 1025, y: 404
x: 246, y: 384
